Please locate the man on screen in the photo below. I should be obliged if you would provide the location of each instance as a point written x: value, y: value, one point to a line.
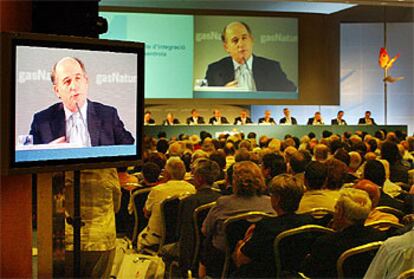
x: 76, y: 119
x: 244, y: 69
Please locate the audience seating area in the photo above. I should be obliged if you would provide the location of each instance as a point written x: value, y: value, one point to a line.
x: 383, y: 158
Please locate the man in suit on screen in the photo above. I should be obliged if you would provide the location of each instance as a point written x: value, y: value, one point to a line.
x: 244, y: 69
x: 76, y: 119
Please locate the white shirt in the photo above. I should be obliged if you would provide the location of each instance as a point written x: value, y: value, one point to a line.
x: 83, y: 124
x: 395, y: 256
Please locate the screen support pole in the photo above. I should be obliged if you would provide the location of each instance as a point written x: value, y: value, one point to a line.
x: 76, y: 225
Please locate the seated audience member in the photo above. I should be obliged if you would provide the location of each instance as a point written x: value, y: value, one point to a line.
x: 170, y: 120
x: 243, y: 118
x: 374, y: 171
x: 367, y: 120
x: 151, y: 173
x: 389, y: 187
x: 220, y: 158
x: 205, y: 172
x: 217, y: 119
x: 337, y: 171
x: 100, y: 198
x: 147, y: 118
x: 321, y: 152
x: 339, y: 119
x: 254, y: 254
x: 316, y: 196
x: 298, y: 162
x: 390, y: 152
x: 374, y: 193
x: 351, y: 211
x: 267, y: 119
x: 174, y: 174
x: 287, y: 119
x: 272, y: 165
x: 248, y: 186
x: 395, y: 256
x: 316, y: 120
x: 195, y: 118
x: 355, y: 161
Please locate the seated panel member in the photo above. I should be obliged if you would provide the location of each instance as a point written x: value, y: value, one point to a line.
x: 367, y: 120
x: 195, y: 118
x: 339, y: 119
x: 217, y: 119
x: 316, y: 120
x: 147, y: 118
x: 243, y: 69
x: 287, y: 120
x: 242, y: 119
x: 170, y: 120
x: 267, y: 119
x: 76, y: 119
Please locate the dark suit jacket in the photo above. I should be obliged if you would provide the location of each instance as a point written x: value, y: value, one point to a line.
x: 268, y: 74
x: 222, y: 119
x: 335, y: 122
x: 310, y: 121
x: 151, y: 121
x: 260, y: 246
x: 200, y: 120
x: 175, y: 121
x: 186, y: 224
x: 238, y: 120
x: 283, y: 120
x: 327, y: 249
x: 104, y: 125
x: 362, y: 121
x: 262, y: 120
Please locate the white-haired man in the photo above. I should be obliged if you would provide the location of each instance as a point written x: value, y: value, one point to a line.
x: 150, y: 237
x: 351, y: 211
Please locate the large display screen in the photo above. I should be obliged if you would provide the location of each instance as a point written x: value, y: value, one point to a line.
x: 75, y: 100
x: 213, y: 57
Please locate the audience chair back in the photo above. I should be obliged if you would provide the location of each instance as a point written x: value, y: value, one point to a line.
x: 139, y: 198
x: 169, y: 215
x: 354, y: 262
x: 396, y: 212
x: 384, y: 225
x: 235, y: 227
x: 292, y: 246
x: 321, y: 215
x: 199, y: 214
x: 408, y: 274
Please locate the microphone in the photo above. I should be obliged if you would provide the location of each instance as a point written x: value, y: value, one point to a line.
x: 84, y: 124
x: 251, y: 75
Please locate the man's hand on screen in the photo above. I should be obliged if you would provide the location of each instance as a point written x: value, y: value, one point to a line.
x: 58, y: 140
x: 231, y: 84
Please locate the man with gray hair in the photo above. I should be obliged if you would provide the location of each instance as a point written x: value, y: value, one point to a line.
x: 76, y: 119
x: 351, y: 211
x: 175, y: 170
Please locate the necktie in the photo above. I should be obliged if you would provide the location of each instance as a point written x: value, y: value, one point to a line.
x: 245, y: 78
x: 78, y: 133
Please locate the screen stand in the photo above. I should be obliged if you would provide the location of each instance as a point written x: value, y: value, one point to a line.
x: 77, y: 223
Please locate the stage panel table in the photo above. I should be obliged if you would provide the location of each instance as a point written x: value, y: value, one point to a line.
x: 274, y: 131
